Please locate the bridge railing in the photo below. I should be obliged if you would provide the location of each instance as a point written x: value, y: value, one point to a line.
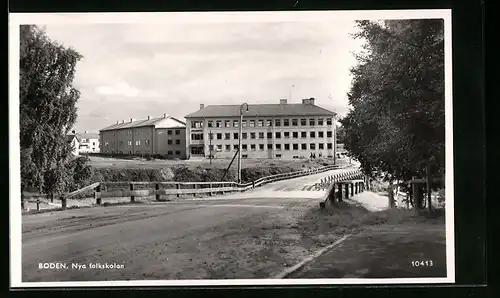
x: 135, y: 189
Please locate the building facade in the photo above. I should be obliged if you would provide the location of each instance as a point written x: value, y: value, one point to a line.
x: 89, y: 142
x: 287, y: 131
x: 165, y: 136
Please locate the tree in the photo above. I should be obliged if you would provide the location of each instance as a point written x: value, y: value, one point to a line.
x: 47, y: 111
x: 396, y: 123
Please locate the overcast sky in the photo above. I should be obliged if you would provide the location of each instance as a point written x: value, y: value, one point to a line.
x: 136, y: 70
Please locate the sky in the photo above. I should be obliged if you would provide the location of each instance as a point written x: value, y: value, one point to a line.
x: 135, y: 70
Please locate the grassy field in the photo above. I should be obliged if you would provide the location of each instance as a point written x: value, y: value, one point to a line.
x: 137, y: 163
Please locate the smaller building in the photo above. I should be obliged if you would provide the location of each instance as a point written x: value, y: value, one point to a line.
x: 74, y: 141
x: 89, y: 142
x: 164, y: 136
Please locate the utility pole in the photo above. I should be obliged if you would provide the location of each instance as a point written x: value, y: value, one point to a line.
x: 243, y: 109
x: 210, y: 136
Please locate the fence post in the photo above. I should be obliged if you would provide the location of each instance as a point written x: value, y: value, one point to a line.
x: 63, y: 202
x: 38, y: 205
x: 132, y: 197
x: 253, y: 183
x: 194, y: 187
x: 178, y: 187
x: 97, y: 195
x: 157, y: 188
x: 211, y: 186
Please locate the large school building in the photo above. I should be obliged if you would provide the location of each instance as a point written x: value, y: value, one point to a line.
x: 284, y: 130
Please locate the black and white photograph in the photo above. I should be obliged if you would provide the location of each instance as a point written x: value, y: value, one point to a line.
x: 231, y: 148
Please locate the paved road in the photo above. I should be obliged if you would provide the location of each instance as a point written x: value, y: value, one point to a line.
x: 248, y: 235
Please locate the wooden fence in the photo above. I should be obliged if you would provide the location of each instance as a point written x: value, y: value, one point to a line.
x: 135, y: 189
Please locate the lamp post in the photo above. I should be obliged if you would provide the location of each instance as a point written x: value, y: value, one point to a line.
x: 243, y: 109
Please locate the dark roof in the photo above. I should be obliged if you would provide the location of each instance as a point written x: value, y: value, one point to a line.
x: 88, y: 135
x: 141, y: 123
x: 261, y: 110
x: 70, y: 137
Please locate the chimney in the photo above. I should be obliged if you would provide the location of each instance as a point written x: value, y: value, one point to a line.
x: 202, y: 106
x: 165, y: 115
x: 86, y: 131
x: 308, y: 101
x: 283, y: 101
x: 117, y: 122
x: 149, y: 117
x: 123, y: 121
x: 131, y: 119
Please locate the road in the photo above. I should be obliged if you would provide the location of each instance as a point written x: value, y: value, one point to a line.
x: 247, y: 235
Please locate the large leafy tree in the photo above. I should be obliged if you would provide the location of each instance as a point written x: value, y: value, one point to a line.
x: 47, y: 111
x: 396, y: 123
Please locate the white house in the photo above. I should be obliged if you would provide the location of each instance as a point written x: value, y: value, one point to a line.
x: 74, y: 141
x: 88, y: 142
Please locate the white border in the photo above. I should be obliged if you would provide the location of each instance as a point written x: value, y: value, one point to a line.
x: 112, y: 18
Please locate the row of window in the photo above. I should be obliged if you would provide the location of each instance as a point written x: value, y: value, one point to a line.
x: 138, y: 143
x: 129, y: 132
x: 253, y: 147
x: 139, y: 152
x: 263, y: 123
x: 269, y: 135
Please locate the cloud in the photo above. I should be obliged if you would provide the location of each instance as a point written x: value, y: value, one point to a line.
x: 136, y: 70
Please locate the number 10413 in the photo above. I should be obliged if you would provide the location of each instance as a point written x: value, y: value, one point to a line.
x: 422, y: 263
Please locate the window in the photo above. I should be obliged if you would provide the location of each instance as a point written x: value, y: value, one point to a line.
x: 312, y: 122
x: 286, y: 122
x: 329, y: 146
x: 169, y: 132
x: 295, y: 134
x: 244, y: 123
x: 303, y: 122
x: 303, y: 134
x: 169, y: 142
x: 235, y: 123
x: 235, y: 147
x: 210, y: 123
x: 121, y: 143
x: 219, y: 147
x: 295, y: 122
x: 328, y: 121
x: 244, y: 156
x: 278, y: 135
x: 261, y: 135
x: 197, y: 124
x: 278, y: 146
x: 321, y: 134
x: 227, y: 136
x: 177, y: 132
x: 138, y: 143
x: 177, y: 142
x: 312, y: 134
x: 320, y: 121
x: 169, y: 152
x: 295, y: 146
x: 219, y: 136
x: 235, y: 135
x: 287, y: 146
x: 252, y: 135
x: 261, y: 146
x: 312, y: 146
x: 269, y: 135
x: 277, y: 122
x: 228, y: 147
x: 129, y: 143
x: 106, y: 144
x: 244, y: 147
x: 269, y: 146
x: 227, y: 123
x: 269, y: 123
x: 303, y: 146
x: 260, y: 123
x: 252, y: 147
x: 244, y: 135
x: 197, y: 136
x: 328, y: 134
x: 252, y: 123
x: 218, y: 123
x: 286, y: 134
x: 146, y: 142
x: 177, y: 153
x: 321, y: 146
x: 278, y: 155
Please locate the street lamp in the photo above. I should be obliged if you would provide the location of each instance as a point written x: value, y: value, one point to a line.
x: 243, y: 109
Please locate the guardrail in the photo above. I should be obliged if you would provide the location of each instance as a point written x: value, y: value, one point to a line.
x: 191, y: 188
